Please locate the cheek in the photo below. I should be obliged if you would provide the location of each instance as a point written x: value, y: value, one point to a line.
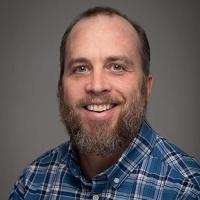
x: 72, y: 92
x: 128, y: 88
x: 67, y: 92
x: 69, y: 97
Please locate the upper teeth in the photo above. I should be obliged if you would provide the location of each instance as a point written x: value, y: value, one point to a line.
x: 99, y: 108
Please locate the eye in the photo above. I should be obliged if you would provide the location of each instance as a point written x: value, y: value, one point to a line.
x: 117, y: 67
x: 81, y: 69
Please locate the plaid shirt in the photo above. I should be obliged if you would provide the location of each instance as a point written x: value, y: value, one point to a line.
x: 150, y: 168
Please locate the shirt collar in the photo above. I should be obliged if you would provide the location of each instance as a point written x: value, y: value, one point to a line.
x: 138, y: 150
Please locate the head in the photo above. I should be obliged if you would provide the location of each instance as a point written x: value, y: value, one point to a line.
x: 104, y: 80
x: 144, y: 48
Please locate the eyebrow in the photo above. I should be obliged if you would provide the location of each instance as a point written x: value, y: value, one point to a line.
x: 120, y: 58
x: 77, y: 60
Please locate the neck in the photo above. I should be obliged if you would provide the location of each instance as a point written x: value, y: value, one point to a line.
x: 92, y: 164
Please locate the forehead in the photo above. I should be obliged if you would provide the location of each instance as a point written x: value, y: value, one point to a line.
x: 98, y: 32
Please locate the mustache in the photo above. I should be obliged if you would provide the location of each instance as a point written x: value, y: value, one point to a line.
x: 98, y: 99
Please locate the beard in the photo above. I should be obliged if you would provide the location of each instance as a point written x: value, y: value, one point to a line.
x: 102, y: 139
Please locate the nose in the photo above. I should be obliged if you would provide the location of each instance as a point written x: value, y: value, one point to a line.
x: 97, y: 83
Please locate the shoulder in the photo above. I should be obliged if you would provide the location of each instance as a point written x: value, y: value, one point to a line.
x: 55, y: 155
x: 50, y: 159
x: 41, y: 171
x: 179, y: 164
x: 46, y: 165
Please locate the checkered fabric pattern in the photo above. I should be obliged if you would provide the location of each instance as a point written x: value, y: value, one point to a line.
x: 150, y: 168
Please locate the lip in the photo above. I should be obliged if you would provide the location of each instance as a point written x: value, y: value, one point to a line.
x: 99, y: 116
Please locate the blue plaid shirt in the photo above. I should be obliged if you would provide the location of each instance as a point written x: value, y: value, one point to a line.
x: 150, y: 168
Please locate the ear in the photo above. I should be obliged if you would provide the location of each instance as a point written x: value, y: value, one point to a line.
x: 149, y: 84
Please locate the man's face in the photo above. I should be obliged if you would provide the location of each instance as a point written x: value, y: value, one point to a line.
x: 104, y: 92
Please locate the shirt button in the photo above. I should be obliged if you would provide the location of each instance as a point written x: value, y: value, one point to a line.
x: 95, y: 197
x: 116, y: 180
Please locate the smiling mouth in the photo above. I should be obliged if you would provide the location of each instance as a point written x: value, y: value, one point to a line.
x: 99, y: 108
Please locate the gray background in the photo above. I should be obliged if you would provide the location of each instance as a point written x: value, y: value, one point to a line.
x: 30, y: 33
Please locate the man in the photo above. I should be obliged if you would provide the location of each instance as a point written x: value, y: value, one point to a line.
x: 113, y: 153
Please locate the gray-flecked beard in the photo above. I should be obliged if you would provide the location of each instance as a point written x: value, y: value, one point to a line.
x: 104, y: 139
